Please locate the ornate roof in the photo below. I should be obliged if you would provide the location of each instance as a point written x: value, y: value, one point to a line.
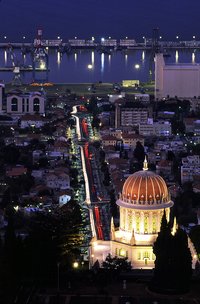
x: 145, y: 188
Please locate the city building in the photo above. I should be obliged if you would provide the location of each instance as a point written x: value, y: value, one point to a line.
x: 33, y: 121
x: 190, y: 168
x: 180, y: 80
x: 109, y: 140
x: 24, y: 103
x: 142, y: 202
x: 57, y: 180
x: 130, y: 140
x: 130, y: 83
x: 157, y: 128
x: 125, y: 116
x: 142, y: 97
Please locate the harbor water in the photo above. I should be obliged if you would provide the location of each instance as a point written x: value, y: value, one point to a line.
x: 90, y: 66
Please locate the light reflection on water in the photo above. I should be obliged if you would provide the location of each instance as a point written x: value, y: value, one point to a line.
x: 5, y: 57
x: 193, y: 57
x: 113, y: 67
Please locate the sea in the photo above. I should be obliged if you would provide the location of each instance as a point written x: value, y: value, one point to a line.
x: 90, y: 66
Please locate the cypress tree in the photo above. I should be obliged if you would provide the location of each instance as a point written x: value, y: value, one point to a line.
x: 173, y: 264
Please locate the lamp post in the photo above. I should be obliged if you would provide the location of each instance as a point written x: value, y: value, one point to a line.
x: 90, y: 68
x: 75, y: 265
x: 58, y: 277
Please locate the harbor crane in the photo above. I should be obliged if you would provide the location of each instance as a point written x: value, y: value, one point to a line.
x: 16, y: 67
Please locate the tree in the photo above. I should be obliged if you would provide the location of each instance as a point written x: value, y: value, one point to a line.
x: 173, y: 264
x: 195, y: 237
x: 139, y: 152
x: 96, y: 122
x: 11, y: 154
x: 115, y: 263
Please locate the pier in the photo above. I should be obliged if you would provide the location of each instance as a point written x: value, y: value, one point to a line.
x: 22, y: 69
x: 106, y: 44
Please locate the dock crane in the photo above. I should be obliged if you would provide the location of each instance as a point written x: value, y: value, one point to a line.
x: 40, y: 59
x: 155, y: 48
x: 16, y: 67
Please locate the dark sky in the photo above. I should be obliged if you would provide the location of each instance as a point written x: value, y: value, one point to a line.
x: 99, y: 18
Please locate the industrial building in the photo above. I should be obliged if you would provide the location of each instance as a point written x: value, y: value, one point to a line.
x: 176, y: 80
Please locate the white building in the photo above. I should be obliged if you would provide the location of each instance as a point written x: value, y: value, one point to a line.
x: 190, y: 167
x: 29, y: 103
x: 157, y: 128
x: 132, y: 116
x: 181, y: 80
x: 142, y: 203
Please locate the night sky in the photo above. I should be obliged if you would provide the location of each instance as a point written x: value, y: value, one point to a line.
x: 99, y: 18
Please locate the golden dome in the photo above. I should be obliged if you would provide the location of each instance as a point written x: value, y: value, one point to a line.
x: 145, y: 188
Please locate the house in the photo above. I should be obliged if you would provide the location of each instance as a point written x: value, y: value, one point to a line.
x: 164, y: 167
x: 190, y: 167
x: 130, y: 140
x: 33, y: 121
x: 16, y: 171
x: 57, y: 181
x: 109, y: 140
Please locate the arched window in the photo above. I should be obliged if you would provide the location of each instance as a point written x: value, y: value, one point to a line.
x: 137, y: 228
x: 154, y: 223
x: 130, y: 220
x: 14, y: 104
x: 146, y: 223
x: 36, y: 104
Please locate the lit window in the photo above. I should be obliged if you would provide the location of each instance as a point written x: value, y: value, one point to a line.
x: 146, y: 255
x: 36, y: 105
x: 154, y: 224
x: 122, y: 252
x: 146, y: 223
x: 137, y: 223
x: 14, y: 104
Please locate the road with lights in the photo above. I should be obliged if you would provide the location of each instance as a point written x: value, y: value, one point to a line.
x: 98, y: 210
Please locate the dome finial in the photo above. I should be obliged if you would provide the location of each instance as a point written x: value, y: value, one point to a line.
x: 145, y: 164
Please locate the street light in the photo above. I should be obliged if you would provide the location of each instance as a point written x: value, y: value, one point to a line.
x: 137, y: 66
x: 58, y: 276
x: 90, y: 68
x: 75, y: 265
